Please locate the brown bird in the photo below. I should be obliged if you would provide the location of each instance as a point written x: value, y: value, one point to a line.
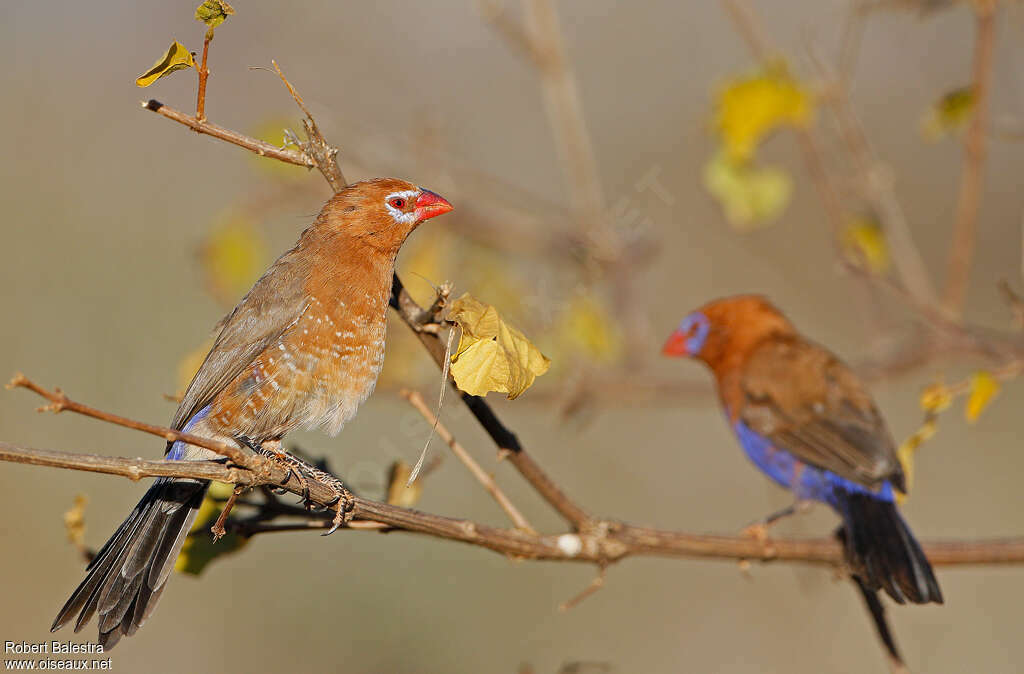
x: 806, y: 421
x: 303, y: 348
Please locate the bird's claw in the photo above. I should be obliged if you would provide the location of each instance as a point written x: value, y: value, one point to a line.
x: 344, y: 506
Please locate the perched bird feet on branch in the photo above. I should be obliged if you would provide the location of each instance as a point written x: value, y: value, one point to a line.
x: 759, y: 528
x: 343, y: 501
x: 297, y: 468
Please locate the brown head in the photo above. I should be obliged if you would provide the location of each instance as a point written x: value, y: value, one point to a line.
x: 379, y: 213
x: 723, y: 331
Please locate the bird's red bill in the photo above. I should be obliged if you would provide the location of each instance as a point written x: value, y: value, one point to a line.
x: 675, y: 345
x: 430, y: 204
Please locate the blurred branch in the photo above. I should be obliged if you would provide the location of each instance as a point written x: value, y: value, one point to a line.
x: 485, y: 479
x: 605, y: 542
x: 961, y: 247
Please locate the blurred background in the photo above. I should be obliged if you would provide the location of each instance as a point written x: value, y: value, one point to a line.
x: 640, y: 160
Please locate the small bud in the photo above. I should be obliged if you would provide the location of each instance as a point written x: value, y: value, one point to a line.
x: 570, y: 544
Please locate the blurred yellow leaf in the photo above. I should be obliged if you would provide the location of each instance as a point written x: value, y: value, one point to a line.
x: 190, y: 363
x: 909, y: 448
x: 74, y: 521
x: 948, y: 114
x: 984, y: 388
x: 233, y: 257
x: 587, y: 328
x: 751, y: 197
x: 214, y: 12
x: 936, y: 398
x: 199, y: 549
x: 176, y: 58
x: 864, y: 240
x: 271, y: 130
x: 398, y: 493
x: 492, y: 355
x: 748, y: 108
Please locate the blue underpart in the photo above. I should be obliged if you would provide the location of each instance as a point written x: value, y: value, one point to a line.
x: 178, y: 449
x: 807, y: 482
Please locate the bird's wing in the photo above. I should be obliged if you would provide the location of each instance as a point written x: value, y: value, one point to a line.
x: 273, y: 305
x: 808, y: 403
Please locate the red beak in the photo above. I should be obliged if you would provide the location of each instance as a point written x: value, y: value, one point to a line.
x: 675, y: 345
x: 430, y: 205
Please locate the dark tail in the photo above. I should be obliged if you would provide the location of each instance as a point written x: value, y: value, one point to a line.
x: 882, y: 552
x: 877, y: 613
x: 125, y: 579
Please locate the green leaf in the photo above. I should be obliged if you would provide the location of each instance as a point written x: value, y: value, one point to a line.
x: 176, y: 58
x: 214, y: 12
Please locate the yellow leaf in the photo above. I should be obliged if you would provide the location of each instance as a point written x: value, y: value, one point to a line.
x: 948, y: 114
x: 398, y: 493
x: 233, y: 257
x: 214, y: 12
x: 272, y: 130
x: 936, y: 398
x: 190, y: 363
x: 864, y: 240
x: 984, y: 388
x: 748, y: 108
x: 751, y: 197
x: 492, y: 355
x: 74, y: 521
x: 587, y: 328
x: 199, y: 549
x: 176, y: 58
x: 908, y: 449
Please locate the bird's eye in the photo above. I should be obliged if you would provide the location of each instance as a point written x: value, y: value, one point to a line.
x: 397, y: 202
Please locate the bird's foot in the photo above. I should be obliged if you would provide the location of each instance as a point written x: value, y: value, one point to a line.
x: 343, y: 502
x: 759, y: 530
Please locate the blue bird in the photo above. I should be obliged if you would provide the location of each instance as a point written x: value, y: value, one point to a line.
x: 805, y: 420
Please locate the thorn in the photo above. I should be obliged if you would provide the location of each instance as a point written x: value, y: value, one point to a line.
x: 594, y: 586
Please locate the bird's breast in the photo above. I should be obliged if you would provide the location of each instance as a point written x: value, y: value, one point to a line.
x: 317, y: 374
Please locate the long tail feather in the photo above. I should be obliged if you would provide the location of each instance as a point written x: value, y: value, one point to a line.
x: 128, y: 574
x: 882, y: 552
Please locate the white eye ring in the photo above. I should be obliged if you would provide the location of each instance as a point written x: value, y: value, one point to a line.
x: 394, y: 209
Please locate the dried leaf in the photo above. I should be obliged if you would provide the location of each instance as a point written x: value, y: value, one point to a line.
x: 751, y: 197
x: 864, y: 240
x: 984, y: 387
x: 74, y: 521
x: 199, y: 549
x: 214, y: 12
x: 176, y: 58
x: 492, y: 355
x: 749, y: 108
x: 948, y: 115
x: 399, y: 494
